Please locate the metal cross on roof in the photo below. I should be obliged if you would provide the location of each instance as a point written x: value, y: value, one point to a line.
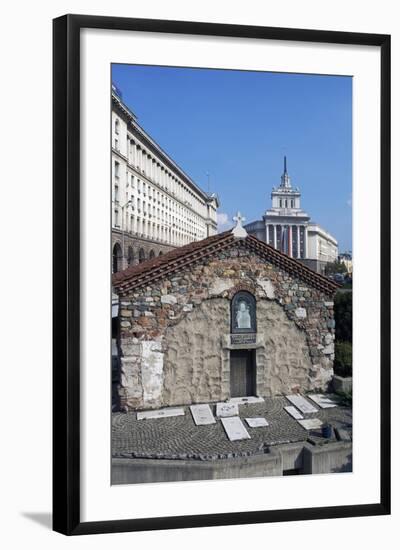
x: 239, y: 231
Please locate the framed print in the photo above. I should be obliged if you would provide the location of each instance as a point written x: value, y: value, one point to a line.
x: 221, y: 274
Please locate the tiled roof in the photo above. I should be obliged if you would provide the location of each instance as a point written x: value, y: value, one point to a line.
x: 177, y: 258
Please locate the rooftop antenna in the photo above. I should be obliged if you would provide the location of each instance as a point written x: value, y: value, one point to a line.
x: 284, y: 165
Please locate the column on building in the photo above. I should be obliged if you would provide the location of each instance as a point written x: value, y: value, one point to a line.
x: 275, y: 240
x: 298, y: 241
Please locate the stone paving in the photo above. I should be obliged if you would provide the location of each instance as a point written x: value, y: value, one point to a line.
x: 179, y: 437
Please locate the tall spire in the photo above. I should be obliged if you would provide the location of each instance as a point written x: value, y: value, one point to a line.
x: 285, y: 180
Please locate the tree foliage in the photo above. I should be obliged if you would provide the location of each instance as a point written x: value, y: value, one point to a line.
x: 344, y: 316
x: 335, y: 267
x: 343, y: 359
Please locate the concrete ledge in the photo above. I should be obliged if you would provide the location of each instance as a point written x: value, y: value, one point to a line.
x: 328, y: 459
x: 303, y: 458
x: 136, y: 470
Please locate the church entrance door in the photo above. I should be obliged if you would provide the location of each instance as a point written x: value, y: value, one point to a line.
x: 242, y: 367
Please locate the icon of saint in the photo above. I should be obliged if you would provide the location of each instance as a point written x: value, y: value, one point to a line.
x: 243, y: 316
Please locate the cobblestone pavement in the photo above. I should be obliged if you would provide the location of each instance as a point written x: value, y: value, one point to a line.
x: 179, y: 437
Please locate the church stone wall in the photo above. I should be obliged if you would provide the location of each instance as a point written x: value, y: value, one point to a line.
x: 174, y: 333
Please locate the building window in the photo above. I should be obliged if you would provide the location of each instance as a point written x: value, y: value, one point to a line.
x: 130, y: 256
x: 292, y: 203
x: 243, y: 313
x: 152, y: 254
x: 117, y: 258
x: 116, y: 126
x: 142, y: 255
x: 116, y: 144
x: 280, y: 203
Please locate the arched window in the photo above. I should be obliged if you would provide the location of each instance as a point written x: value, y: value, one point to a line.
x: 152, y: 254
x: 160, y: 254
x: 142, y: 255
x: 130, y: 256
x: 117, y: 258
x: 243, y: 313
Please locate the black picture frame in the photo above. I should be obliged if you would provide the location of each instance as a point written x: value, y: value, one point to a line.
x: 66, y: 272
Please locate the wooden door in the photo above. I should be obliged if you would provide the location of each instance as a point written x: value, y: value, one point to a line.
x: 242, y: 373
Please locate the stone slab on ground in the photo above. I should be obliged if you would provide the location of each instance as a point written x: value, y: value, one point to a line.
x: 234, y: 428
x: 301, y: 403
x: 179, y: 437
x: 202, y: 415
x: 322, y: 400
x: 294, y: 412
x: 227, y: 409
x: 258, y: 422
x: 310, y: 423
x: 161, y: 413
x: 244, y: 400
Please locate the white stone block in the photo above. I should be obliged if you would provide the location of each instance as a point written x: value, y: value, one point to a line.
x: 234, y: 428
x: 301, y: 312
x: 330, y: 348
x: 168, y: 299
x: 152, y: 371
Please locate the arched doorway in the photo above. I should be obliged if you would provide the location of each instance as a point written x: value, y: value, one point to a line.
x: 117, y: 258
x: 161, y: 253
x: 152, y: 254
x: 130, y: 256
x: 142, y: 255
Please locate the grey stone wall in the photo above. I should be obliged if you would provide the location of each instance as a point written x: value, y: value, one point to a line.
x: 174, y: 333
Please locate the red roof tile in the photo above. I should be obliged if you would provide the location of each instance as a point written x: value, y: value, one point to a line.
x: 160, y: 266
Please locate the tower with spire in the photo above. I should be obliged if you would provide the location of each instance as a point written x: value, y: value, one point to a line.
x: 286, y: 227
x: 285, y: 198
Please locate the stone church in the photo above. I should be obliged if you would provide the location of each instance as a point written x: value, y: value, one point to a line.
x: 228, y: 316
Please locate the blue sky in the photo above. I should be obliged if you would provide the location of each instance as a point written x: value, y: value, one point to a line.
x: 238, y: 125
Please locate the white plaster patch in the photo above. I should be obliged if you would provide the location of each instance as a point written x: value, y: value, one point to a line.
x: 152, y: 371
x: 168, y: 299
x: 301, y: 312
x: 234, y: 428
x: 219, y: 286
x: 267, y: 287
